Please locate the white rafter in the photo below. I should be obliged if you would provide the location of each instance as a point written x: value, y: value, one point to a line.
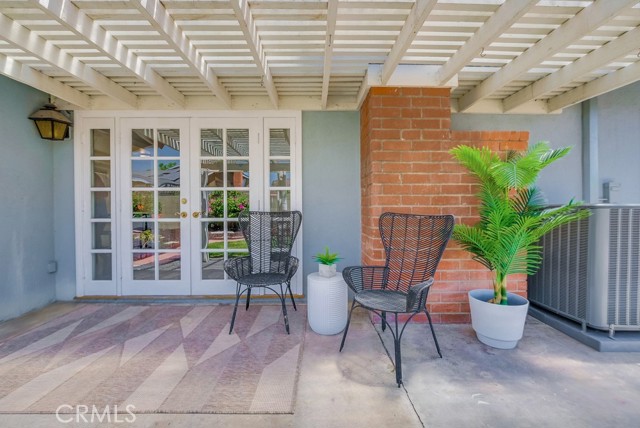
x: 610, y: 52
x: 245, y: 20
x: 363, y: 91
x: 27, y: 75
x: 155, y: 13
x: 332, y: 14
x: 37, y: 46
x: 606, y: 83
x: 497, y: 23
x: 418, y: 14
x: 75, y: 20
x: 583, y: 23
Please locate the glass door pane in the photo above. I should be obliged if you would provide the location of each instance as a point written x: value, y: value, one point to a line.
x: 280, y: 169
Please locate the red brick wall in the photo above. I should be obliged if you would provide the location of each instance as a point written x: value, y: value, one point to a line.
x: 406, y: 167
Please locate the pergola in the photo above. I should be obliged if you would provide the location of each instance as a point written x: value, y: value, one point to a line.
x: 498, y: 56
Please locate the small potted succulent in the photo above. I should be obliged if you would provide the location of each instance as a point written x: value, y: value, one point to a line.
x: 327, y: 263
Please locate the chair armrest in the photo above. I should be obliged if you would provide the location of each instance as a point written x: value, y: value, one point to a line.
x: 292, y: 267
x: 417, y: 295
x: 238, y: 267
x: 360, y: 278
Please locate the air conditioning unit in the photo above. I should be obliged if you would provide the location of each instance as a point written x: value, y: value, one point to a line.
x: 590, y: 271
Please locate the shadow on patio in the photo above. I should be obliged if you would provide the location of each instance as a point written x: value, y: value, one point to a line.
x: 549, y: 380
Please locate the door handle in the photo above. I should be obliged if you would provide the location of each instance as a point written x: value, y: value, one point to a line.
x: 184, y: 214
x: 196, y: 214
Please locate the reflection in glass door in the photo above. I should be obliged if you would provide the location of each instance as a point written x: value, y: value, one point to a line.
x: 228, y: 174
x: 156, y: 217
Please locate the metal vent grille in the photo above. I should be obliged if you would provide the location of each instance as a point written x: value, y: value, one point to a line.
x: 561, y: 283
x: 623, y: 308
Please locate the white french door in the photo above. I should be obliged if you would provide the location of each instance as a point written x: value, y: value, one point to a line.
x: 154, y: 215
x: 159, y: 198
x: 226, y: 177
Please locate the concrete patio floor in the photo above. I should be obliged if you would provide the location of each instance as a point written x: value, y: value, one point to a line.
x: 550, y: 380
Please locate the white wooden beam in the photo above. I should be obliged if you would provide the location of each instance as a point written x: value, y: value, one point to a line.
x: 493, y: 28
x: 415, y: 20
x: 588, y: 20
x: 332, y: 13
x: 155, y: 13
x: 604, y: 55
x: 606, y: 83
x: 245, y: 20
x: 75, y: 20
x: 363, y: 91
x: 210, y: 102
x: 27, y: 75
x: 19, y: 35
x: 494, y: 106
x: 409, y: 75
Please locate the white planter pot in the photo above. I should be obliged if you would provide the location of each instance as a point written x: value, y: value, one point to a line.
x: 327, y: 271
x: 498, y: 326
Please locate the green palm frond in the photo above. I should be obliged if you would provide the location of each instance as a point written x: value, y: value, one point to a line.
x: 521, y: 171
x: 528, y: 200
x: 477, y: 161
x: 512, y: 211
x: 475, y: 242
x: 553, y: 155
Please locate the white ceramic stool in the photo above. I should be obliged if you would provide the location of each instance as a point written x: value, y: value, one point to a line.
x: 327, y: 303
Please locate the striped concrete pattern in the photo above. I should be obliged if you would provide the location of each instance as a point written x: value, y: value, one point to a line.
x: 159, y: 358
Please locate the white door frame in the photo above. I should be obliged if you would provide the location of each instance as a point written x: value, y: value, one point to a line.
x: 86, y: 120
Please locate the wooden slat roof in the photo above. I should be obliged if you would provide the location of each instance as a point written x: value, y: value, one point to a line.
x: 507, y: 55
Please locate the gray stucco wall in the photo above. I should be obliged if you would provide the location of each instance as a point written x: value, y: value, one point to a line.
x: 27, y: 195
x: 561, y: 181
x: 64, y: 220
x: 331, y: 186
x: 619, y: 142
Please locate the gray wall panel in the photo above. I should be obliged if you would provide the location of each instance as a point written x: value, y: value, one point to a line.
x: 331, y: 186
x: 27, y: 195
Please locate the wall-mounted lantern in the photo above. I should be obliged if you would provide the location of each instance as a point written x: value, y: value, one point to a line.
x: 51, y: 123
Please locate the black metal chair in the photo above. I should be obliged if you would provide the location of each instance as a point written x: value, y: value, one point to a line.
x: 269, y: 237
x: 413, y: 245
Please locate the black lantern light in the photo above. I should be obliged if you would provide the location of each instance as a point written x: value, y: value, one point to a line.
x: 51, y: 123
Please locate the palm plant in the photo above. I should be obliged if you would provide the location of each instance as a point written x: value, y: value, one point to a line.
x: 512, y: 213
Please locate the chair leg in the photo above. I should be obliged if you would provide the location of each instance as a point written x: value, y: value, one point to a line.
x: 384, y: 320
x: 433, y: 332
x: 283, y: 297
x: 248, y: 299
x: 346, y: 329
x: 235, y: 308
x: 291, y: 295
x: 398, y: 359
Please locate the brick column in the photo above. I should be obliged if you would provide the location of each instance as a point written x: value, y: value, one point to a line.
x: 406, y: 167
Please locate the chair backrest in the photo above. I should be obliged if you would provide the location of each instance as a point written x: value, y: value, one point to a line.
x: 270, y: 237
x: 413, y: 245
